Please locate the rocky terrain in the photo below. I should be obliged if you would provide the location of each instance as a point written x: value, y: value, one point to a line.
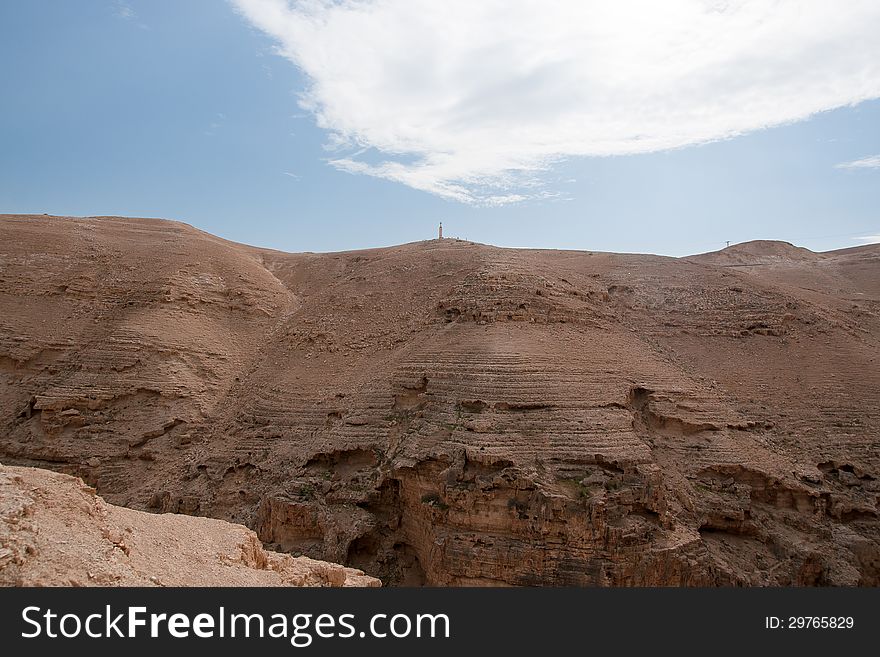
x: 448, y: 413
x: 54, y: 530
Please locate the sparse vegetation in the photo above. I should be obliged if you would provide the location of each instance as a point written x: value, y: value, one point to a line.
x: 307, y: 492
x: 577, y: 489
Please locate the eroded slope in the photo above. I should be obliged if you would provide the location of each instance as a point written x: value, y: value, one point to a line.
x: 451, y: 413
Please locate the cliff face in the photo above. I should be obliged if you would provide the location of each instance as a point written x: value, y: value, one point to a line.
x: 55, y: 531
x: 451, y: 413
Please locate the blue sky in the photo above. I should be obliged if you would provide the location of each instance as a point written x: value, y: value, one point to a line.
x: 186, y: 110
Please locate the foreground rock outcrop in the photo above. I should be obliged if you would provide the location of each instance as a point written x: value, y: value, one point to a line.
x: 55, y: 530
x: 449, y: 413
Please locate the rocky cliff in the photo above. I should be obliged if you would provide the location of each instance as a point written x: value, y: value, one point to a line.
x: 450, y: 413
x: 55, y: 531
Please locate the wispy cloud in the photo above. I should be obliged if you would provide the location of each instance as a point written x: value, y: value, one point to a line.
x: 124, y: 11
x: 872, y: 162
x: 477, y: 101
x: 868, y: 239
x: 215, y: 125
x: 292, y: 175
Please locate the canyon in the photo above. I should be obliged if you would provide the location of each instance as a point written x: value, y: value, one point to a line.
x: 448, y: 413
x: 55, y: 531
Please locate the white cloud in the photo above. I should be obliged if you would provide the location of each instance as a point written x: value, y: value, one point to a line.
x: 868, y: 239
x: 475, y: 101
x: 872, y: 162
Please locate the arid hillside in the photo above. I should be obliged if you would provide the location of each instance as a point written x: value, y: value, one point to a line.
x: 450, y: 413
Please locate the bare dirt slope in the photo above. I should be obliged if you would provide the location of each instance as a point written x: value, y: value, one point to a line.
x: 54, y: 530
x: 445, y: 412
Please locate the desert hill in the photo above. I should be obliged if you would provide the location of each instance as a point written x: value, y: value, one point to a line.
x: 446, y: 412
x: 757, y: 252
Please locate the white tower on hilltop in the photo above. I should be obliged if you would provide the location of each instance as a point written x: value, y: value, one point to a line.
x: 440, y: 232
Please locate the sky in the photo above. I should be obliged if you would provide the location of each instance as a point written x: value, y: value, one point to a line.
x: 321, y: 125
